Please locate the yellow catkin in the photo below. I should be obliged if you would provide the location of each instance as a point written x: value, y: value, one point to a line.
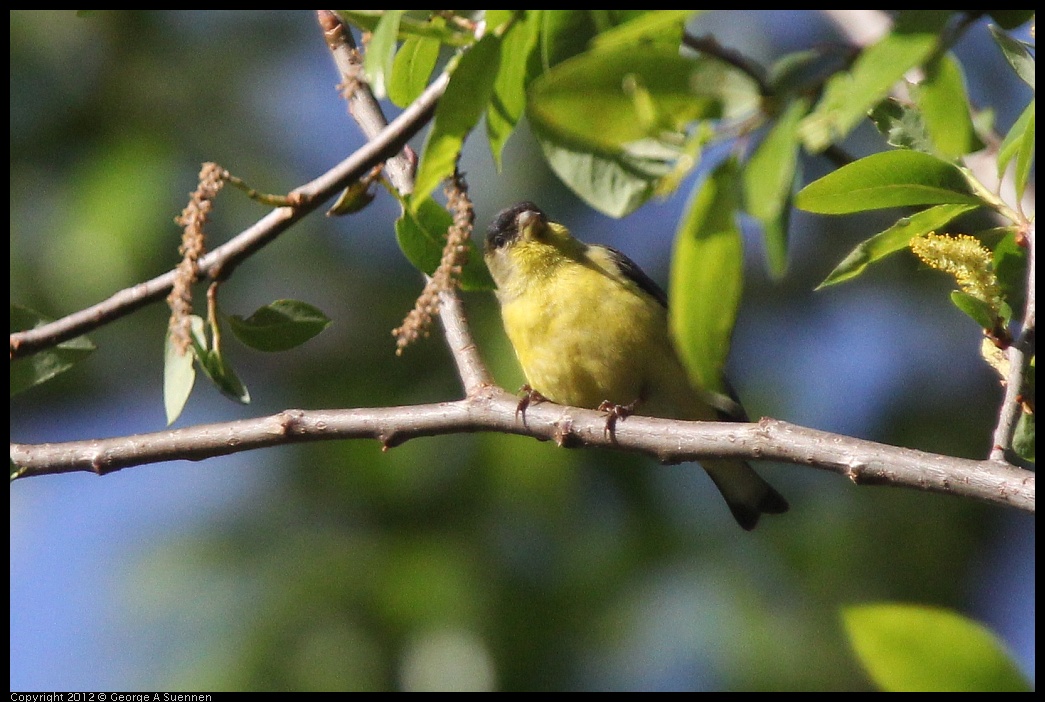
x: 965, y: 258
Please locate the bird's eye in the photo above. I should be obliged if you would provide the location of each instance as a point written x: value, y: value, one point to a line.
x: 497, y: 240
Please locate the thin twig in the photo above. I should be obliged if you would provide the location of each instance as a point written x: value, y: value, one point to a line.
x: 1018, y: 354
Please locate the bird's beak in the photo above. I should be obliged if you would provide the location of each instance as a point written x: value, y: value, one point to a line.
x: 527, y: 219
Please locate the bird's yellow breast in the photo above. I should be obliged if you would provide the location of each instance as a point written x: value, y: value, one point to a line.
x: 583, y: 337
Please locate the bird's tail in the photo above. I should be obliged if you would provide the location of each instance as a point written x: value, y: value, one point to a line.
x: 746, y: 493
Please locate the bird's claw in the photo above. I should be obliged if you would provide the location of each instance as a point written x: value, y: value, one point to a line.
x: 530, y: 397
x: 615, y: 412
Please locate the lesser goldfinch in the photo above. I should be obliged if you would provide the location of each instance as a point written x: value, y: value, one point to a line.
x: 590, y: 329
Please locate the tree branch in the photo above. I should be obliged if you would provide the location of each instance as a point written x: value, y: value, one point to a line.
x: 492, y: 409
x: 226, y: 257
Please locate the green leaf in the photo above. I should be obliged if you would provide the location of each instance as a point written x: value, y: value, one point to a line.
x: 768, y: 178
x: 661, y: 26
x: 563, y: 34
x: 907, y: 648
x: 1019, y: 138
x: 46, y: 364
x: 1010, y: 267
x: 380, y: 50
x: 887, y: 179
x: 944, y: 105
x: 413, y: 65
x: 1023, y: 438
x: 214, y: 364
x: 421, y: 233
x: 707, y: 276
x: 615, y: 184
x: 416, y: 23
x: 893, y: 239
x: 980, y: 312
x: 497, y: 19
x: 586, y: 98
x: 585, y: 114
x: 279, y: 325
x: 508, y: 101
x: 466, y: 97
x: 217, y: 368
x: 1016, y: 53
x: 902, y: 125
x: 1024, y: 158
x: 687, y: 158
x: 848, y: 95
x: 353, y: 199
x: 179, y: 375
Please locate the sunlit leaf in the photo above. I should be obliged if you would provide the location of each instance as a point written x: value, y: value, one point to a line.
x: 614, y: 183
x: 1025, y: 157
x: 707, y: 276
x: 944, y: 105
x: 887, y: 179
x: 353, y: 199
x: 908, y: 648
x: 1023, y: 438
x: 980, y: 312
x: 464, y: 102
x: 768, y: 178
x: 586, y: 99
x: 1019, y: 137
x: 214, y: 364
x: 848, y: 95
x: 893, y: 239
x: 508, y: 101
x: 902, y: 125
x: 380, y: 50
x: 563, y: 34
x: 1010, y: 267
x: 411, y: 69
x: 662, y: 26
x: 416, y: 23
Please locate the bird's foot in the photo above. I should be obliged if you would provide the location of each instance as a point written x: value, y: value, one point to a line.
x: 616, y: 412
x: 529, y: 397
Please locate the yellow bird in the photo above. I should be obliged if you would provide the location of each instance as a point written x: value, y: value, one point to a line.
x: 590, y: 329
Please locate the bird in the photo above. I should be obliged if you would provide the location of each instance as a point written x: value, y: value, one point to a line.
x: 590, y: 329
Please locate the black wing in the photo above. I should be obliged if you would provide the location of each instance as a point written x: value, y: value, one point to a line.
x: 635, y: 274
